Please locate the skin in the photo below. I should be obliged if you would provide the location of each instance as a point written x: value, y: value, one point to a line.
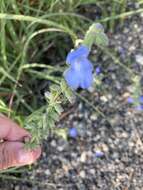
x: 12, y: 151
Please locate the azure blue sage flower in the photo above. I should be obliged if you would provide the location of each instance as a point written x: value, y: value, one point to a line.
x: 98, y: 70
x: 79, y: 74
x: 73, y: 132
x: 139, y: 108
x: 130, y: 100
x: 141, y: 99
x: 99, y: 154
x: 133, y: 101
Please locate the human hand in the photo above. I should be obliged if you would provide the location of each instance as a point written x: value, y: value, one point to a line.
x: 12, y: 151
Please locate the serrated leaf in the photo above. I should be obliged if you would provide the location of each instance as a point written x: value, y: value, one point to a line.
x: 51, y: 123
x: 101, y: 39
x: 54, y: 88
x: 62, y: 133
x: 58, y: 108
x: 69, y: 95
x: 67, y: 91
x: 63, y: 85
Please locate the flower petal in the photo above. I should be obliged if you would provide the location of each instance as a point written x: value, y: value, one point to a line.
x: 82, y: 65
x: 86, y: 80
x: 130, y: 100
x: 73, y: 132
x: 98, y: 70
x: 82, y: 51
x: 71, y: 78
x: 141, y: 99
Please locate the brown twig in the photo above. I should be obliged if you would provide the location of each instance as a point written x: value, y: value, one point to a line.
x: 65, y: 114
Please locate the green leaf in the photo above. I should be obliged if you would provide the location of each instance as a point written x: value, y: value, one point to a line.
x: 54, y: 88
x: 101, y: 39
x: 4, y: 108
x: 62, y: 133
x: 95, y: 34
x: 67, y: 91
x: 58, y: 108
x: 88, y: 1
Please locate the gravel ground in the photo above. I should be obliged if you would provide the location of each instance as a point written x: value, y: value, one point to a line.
x: 106, y: 155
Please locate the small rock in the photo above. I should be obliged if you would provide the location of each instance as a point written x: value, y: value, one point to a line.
x: 17, y: 187
x: 53, y: 143
x: 103, y: 99
x: 83, y: 157
x: 60, y: 148
x: 132, y: 48
x: 93, y: 117
x: 47, y: 172
x: 139, y: 59
x: 92, y: 171
x: 82, y: 174
x: 105, y: 148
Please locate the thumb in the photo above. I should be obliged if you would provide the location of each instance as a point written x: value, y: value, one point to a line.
x: 14, y: 154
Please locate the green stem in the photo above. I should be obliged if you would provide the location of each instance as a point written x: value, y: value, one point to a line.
x: 123, y: 15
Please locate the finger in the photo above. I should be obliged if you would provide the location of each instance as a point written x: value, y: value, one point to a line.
x: 14, y: 154
x: 11, y: 131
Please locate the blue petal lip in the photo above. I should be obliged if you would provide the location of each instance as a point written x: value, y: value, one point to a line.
x: 75, y: 79
x: 86, y: 81
x: 83, y: 64
x: 71, y: 78
x: 82, y: 51
x: 80, y: 76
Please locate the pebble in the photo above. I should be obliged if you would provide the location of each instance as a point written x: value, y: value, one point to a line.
x: 132, y: 48
x: 93, y: 117
x: 53, y: 143
x: 17, y: 188
x: 104, y: 147
x: 82, y: 174
x: 92, y: 171
x: 83, y: 157
x: 139, y: 59
x: 60, y: 148
x: 47, y: 172
x: 104, y: 99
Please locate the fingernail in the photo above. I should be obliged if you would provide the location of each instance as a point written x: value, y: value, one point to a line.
x: 24, y: 157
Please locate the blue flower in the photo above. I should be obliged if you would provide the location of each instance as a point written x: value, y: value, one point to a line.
x: 79, y: 74
x: 139, y: 108
x: 98, y: 70
x: 141, y: 99
x: 99, y: 26
x: 130, y: 100
x: 99, y: 154
x: 122, y: 52
x: 73, y: 132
